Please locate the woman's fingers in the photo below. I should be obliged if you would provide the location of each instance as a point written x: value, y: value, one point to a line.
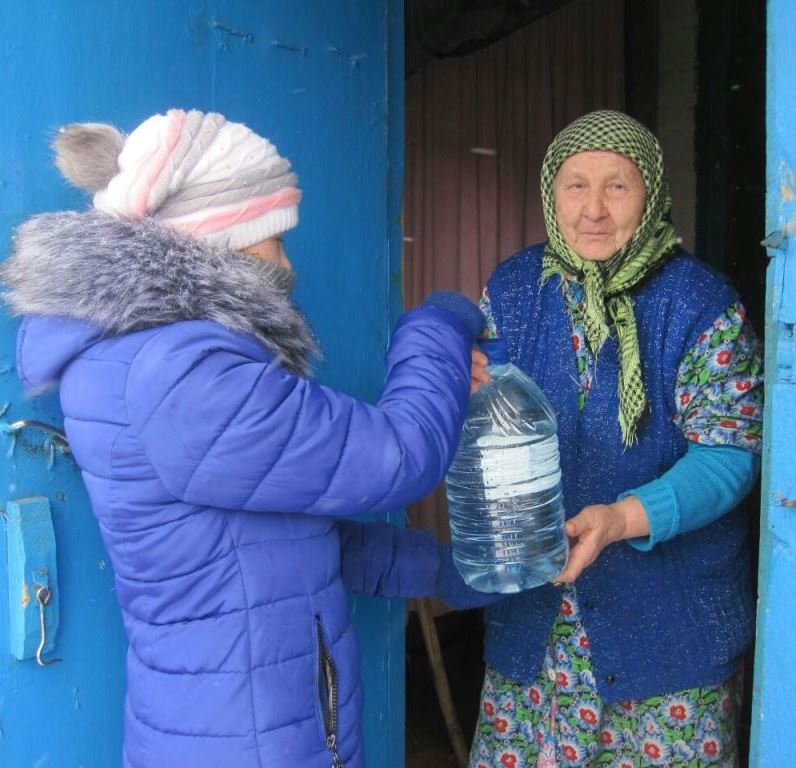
x: 582, y: 554
x: 590, y: 531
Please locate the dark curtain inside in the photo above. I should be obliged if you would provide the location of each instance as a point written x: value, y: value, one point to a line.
x: 477, y: 128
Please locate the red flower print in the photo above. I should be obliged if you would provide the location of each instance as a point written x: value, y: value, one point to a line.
x: 566, y: 607
x: 743, y: 386
x: 724, y: 357
x: 748, y: 410
x: 534, y: 696
x: 653, y: 751
x: 489, y: 709
x: 693, y: 436
x: 741, y: 313
x: 587, y: 715
x: 501, y: 725
x: 509, y: 761
x: 677, y: 712
x: 728, y: 423
x: 711, y: 748
x: 626, y: 705
x: 583, y: 642
x: 562, y: 679
x: 702, y: 338
x: 685, y: 398
x: 725, y: 704
x: 569, y: 752
x: 606, y: 737
x: 576, y: 342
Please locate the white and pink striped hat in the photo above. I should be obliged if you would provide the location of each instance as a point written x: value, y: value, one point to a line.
x: 193, y: 171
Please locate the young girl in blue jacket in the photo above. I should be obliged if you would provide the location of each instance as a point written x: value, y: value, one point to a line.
x: 217, y: 470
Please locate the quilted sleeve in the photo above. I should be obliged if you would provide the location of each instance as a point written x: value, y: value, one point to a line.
x: 224, y: 425
x: 379, y: 559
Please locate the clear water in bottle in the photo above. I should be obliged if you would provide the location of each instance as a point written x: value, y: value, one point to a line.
x: 504, y: 485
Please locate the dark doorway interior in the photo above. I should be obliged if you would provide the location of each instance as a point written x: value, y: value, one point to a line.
x: 731, y: 182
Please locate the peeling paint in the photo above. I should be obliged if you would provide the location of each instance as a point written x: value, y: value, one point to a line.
x: 49, y: 449
x: 25, y: 595
x: 226, y: 33
x: 352, y: 58
x: 787, y: 182
x: 289, y: 47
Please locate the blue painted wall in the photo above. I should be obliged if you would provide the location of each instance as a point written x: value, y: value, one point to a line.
x: 773, y: 736
x: 324, y: 80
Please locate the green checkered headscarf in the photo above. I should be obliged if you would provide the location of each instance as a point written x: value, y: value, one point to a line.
x: 606, y: 283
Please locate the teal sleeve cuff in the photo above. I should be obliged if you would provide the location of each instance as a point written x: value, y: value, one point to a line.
x: 663, y: 512
x: 704, y: 484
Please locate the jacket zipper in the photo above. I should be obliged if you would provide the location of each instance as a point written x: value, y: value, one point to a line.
x: 327, y: 691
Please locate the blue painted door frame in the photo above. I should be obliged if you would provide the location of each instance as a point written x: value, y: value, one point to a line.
x: 324, y: 80
x: 773, y: 741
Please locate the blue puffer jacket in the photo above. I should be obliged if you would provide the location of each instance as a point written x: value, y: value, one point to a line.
x: 218, y: 477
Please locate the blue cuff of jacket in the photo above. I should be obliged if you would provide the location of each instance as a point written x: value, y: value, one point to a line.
x: 704, y: 484
x: 453, y: 590
x: 383, y: 560
x: 460, y: 306
x: 379, y: 559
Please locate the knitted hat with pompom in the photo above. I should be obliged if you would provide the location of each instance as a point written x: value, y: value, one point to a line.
x: 194, y: 171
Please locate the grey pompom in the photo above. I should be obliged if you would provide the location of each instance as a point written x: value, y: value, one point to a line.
x: 87, y: 153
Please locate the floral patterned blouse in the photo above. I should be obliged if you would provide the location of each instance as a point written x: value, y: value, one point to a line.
x: 560, y: 720
x: 718, y: 395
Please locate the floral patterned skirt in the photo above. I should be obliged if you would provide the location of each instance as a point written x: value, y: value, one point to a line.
x: 559, y: 720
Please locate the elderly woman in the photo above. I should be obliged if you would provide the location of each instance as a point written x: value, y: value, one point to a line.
x: 655, y: 375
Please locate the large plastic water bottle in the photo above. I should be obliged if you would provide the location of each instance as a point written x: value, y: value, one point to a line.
x: 504, y: 486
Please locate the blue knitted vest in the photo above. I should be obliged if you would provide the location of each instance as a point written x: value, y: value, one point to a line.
x: 681, y: 615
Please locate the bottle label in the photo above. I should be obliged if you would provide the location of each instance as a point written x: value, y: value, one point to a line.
x: 511, y: 467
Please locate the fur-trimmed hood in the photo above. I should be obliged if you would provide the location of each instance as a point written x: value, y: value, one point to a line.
x: 121, y: 276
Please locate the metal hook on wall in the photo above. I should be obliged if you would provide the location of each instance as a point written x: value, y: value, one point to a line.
x: 57, y: 436
x: 43, y: 595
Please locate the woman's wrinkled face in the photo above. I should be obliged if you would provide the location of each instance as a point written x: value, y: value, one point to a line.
x: 270, y: 250
x: 599, y: 201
